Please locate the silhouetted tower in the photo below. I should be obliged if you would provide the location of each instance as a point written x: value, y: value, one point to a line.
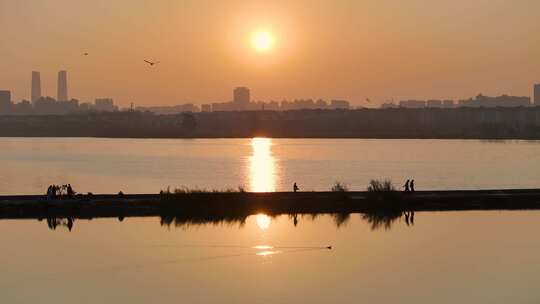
x: 62, y: 86
x: 537, y: 95
x: 241, y: 98
x: 36, y: 86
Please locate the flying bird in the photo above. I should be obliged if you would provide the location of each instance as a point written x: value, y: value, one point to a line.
x: 151, y: 63
x: 85, y: 54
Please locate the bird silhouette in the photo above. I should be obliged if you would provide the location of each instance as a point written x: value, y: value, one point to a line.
x: 85, y: 54
x: 151, y: 63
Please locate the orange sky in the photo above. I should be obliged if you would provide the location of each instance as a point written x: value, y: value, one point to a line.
x: 350, y: 49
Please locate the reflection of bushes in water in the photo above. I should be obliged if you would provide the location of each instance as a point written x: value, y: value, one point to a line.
x: 186, y: 221
x: 377, y: 220
x: 341, y: 219
x: 53, y: 222
x: 382, y: 219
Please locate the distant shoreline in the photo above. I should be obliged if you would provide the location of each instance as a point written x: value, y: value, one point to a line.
x: 459, y: 123
x: 244, y: 204
x: 284, y: 137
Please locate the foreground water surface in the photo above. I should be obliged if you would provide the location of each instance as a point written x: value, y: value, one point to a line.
x: 29, y: 165
x: 448, y: 257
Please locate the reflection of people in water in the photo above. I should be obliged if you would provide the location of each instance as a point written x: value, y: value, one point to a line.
x: 409, y: 217
x: 70, y: 224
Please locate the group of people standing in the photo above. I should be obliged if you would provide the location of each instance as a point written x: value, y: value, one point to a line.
x: 55, y: 191
x: 409, y: 185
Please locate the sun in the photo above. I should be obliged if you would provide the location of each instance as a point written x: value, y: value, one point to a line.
x: 262, y: 41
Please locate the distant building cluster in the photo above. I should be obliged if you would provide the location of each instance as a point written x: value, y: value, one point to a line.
x: 45, y: 105
x: 242, y: 102
x: 166, y: 110
x: 479, y: 101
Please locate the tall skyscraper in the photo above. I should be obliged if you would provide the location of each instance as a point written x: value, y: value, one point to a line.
x: 537, y: 95
x: 241, y: 98
x: 62, y: 86
x: 36, y: 86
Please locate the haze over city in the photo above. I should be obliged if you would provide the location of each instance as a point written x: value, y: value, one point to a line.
x: 351, y: 50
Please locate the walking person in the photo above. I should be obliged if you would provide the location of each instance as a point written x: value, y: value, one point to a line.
x: 295, y: 188
x: 406, y: 186
x: 70, y: 192
x: 412, y: 185
x: 49, y: 193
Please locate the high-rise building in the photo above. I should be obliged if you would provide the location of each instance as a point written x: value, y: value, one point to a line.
x: 5, y: 101
x: 36, y: 86
x: 241, y: 98
x: 62, y: 86
x: 536, y: 95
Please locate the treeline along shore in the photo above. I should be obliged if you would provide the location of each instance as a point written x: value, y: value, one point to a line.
x: 234, y: 204
x: 457, y: 123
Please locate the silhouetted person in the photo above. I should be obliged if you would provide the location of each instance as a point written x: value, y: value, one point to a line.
x: 412, y: 185
x: 295, y: 187
x: 70, y: 192
x: 53, y: 191
x: 406, y: 186
x: 49, y: 192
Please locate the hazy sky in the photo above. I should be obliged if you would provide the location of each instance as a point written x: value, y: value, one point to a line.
x: 351, y: 49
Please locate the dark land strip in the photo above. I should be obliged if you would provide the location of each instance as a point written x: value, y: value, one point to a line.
x: 238, y: 204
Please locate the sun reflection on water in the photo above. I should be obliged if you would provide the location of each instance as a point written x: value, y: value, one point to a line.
x: 267, y: 253
x: 263, y: 221
x: 263, y: 247
x: 262, y: 166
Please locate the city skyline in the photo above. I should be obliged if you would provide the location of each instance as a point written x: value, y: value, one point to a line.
x: 430, y: 50
x: 241, y: 99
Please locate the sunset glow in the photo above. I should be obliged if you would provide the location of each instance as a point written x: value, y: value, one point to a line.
x: 262, y: 41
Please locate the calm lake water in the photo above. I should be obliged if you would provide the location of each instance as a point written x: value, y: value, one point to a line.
x: 29, y: 165
x: 450, y: 257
